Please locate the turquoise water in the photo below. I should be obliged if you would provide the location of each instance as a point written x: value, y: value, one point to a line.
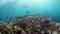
x: 14, y: 8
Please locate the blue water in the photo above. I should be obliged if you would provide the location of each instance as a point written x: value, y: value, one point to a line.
x: 13, y: 8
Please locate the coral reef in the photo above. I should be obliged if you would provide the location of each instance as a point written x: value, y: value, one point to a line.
x: 30, y: 24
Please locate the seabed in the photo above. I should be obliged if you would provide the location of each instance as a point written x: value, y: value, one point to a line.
x: 30, y: 24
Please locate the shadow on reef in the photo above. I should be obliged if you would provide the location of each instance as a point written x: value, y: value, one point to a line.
x: 30, y: 24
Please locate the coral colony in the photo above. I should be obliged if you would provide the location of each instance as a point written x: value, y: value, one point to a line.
x: 30, y: 24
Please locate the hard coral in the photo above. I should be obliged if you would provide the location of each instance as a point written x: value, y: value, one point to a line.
x: 30, y: 24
